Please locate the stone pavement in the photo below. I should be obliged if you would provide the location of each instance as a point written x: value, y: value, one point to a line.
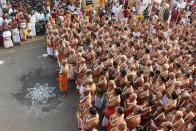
x: 21, y: 67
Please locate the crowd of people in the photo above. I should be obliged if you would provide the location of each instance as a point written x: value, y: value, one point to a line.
x: 20, y: 20
x: 133, y: 71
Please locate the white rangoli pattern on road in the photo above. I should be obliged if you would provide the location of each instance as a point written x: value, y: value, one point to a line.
x: 40, y: 93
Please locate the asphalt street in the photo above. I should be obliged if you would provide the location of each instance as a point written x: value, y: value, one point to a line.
x: 21, y: 68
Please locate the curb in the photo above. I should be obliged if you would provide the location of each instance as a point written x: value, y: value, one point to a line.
x: 37, y: 38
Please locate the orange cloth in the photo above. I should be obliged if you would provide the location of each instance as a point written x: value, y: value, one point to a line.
x: 50, y: 45
x: 69, y: 16
x: 63, y: 82
x: 101, y: 2
x: 61, y: 57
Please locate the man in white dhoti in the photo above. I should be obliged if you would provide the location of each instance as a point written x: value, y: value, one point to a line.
x: 16, y: 36
x: 33, y: 21
x: 114, y: 10
x: 7, y: 37
x: 15, y: 32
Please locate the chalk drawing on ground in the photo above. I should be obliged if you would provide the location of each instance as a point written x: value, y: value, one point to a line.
x: 40, y: 93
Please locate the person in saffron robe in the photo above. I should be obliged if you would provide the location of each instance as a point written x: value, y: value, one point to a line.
x: 63, y: 77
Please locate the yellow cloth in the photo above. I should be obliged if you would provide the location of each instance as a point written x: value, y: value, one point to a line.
x: 25, y: 31
x: 139, y: 17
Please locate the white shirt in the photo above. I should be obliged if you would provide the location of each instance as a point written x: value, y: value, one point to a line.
x: 182, y: 5
x: 71, y: 8
x: 176, y: 3
x: 1, y: 20
x: 33, y: 19
x: 47, y: 16
x: 136, y: 34
x: 183, y: 21
x: 7, y: 21
x: 138, y: 5
x: 119, y: 8
x: 29, y: 25
x: 167, y: 33
x: 155, y: 17
x: 37, y: 16
x: 41, y: 16
x: 114, y: 9
x: 10, y: 11
x: 152, y: 30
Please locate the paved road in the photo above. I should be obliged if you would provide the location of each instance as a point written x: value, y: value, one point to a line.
x: 23, y: 67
